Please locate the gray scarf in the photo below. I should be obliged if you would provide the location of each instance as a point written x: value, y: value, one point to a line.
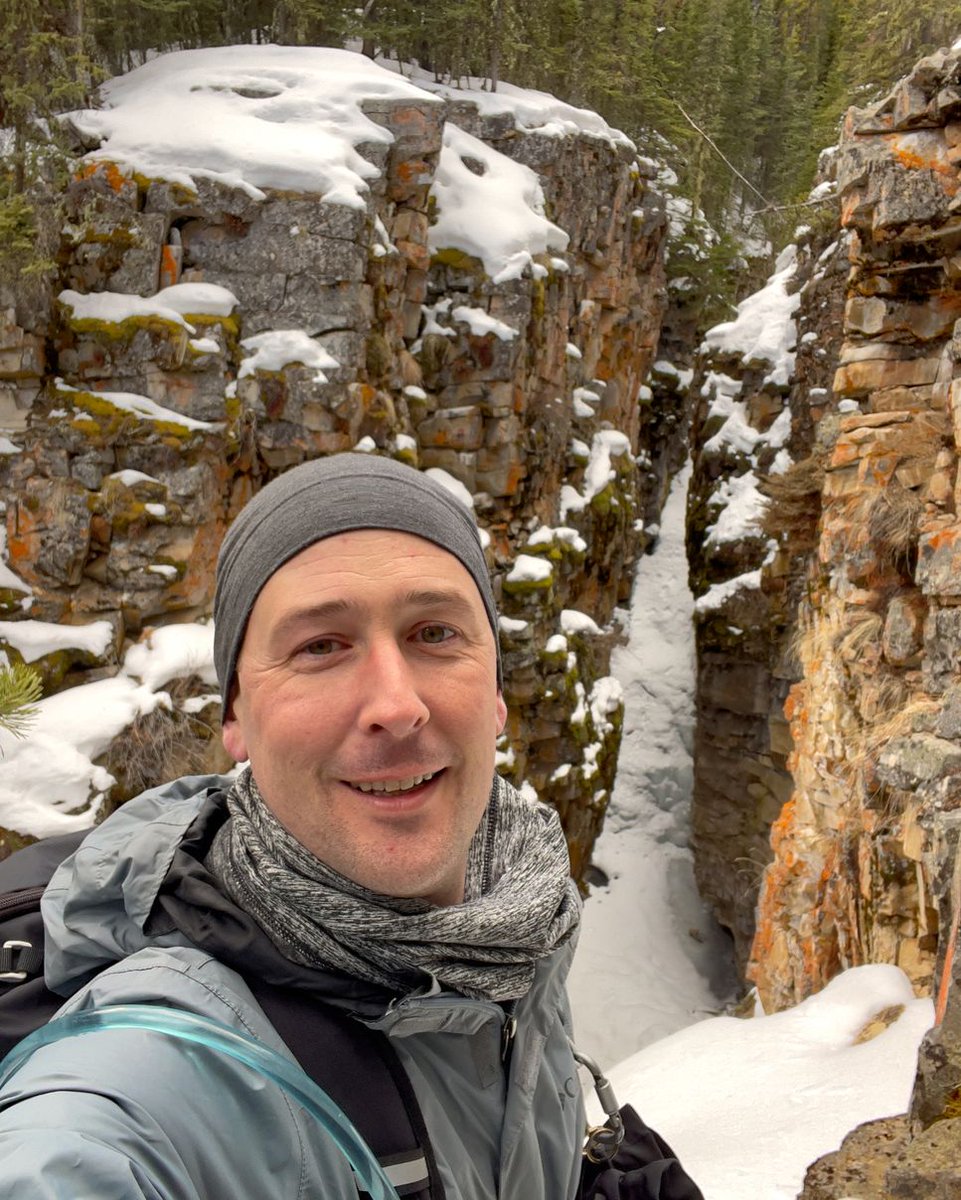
x: 520, y: 903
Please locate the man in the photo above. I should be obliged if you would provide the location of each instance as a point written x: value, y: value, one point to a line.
x: 368, y: 855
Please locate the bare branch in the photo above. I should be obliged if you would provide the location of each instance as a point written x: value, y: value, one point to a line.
x: 799, y: 204
x: 710, y: 141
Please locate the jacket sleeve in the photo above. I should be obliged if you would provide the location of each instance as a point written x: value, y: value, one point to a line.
x: 78, y: 1144
x: 123, y: 1114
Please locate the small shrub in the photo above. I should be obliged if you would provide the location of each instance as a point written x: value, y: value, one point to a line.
x: 894, y: 520
x: 163, y: 745
x: 794, y: 503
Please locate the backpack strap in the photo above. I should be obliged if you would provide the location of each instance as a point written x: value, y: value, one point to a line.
x: 24, y: 876
x: 360, y: 1070
x: 25, y: 1002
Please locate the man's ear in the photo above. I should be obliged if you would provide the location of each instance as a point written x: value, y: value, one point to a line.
x: 501, y: 711
x: 232, y: 733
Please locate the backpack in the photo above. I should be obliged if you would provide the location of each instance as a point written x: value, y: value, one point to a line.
x: 356, y: 1066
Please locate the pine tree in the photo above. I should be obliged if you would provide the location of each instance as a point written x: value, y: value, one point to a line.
x: 20, y: 689
x: 875, y: 46
x: 45, y: 69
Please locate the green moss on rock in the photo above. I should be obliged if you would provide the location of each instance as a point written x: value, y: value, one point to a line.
x: 11, y: 601
x: 449, y: 256
x: 127, y: 329
x: 106, y: 418
x: 528, y: 587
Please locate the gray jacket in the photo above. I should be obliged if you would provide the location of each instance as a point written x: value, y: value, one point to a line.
x: 133, y: 917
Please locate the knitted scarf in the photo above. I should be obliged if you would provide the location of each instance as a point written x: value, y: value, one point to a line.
x: 520, y: 903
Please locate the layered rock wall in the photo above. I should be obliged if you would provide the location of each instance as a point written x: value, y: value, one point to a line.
x: 136, y: 428
x: 858, y: 872
x: 841, y: 600
x: 762, y: 385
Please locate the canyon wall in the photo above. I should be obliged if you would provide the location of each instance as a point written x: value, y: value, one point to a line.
x: 197, y: 341
x: 859, y: 849
x: 829, y: 759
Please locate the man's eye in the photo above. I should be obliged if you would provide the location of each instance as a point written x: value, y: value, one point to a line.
x: 321, y: 647
x: 433, y: 635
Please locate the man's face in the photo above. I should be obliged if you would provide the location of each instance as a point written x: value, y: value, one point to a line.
x: 367, y: 703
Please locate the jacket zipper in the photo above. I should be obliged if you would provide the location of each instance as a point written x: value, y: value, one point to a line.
x: 489, y: 834
x: 508, y: 1031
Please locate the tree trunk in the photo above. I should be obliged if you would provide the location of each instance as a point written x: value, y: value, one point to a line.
x: 497, y: 34
x: 19, y: 156
x: 368, y: 46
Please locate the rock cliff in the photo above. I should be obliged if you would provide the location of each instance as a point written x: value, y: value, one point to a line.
x: 828, y: 669
x: 849, y: 588
x: 204, y: 335
x: 858, y: 849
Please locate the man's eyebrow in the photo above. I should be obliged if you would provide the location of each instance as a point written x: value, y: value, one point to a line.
x: 436, y: 598
x: 309, y: 614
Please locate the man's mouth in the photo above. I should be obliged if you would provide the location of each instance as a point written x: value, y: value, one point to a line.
x: 390, y: 787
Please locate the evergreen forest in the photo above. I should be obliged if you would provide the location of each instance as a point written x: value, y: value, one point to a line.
x: 737, y: 96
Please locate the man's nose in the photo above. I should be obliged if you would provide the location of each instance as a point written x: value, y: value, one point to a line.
x: 392, y: 699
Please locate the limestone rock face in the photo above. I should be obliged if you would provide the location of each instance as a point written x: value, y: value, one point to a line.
x: 136, y: 435
x: 829, y: 630
x: 748, y: 577
x: 865, y: 852
x: 882, y: 1161
x: 859, y: 871
x: 859, y: 1167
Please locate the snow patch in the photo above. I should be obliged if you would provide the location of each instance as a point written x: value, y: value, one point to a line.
x: 482, y: 324
x: 532, y: 111
x: 172, y: 652
x: 764, y: 331
x: 528, y: 569
x: 599, y: 472
x: 36, y: 639
x: 574, y: 622
x: 278, y: 348
x: 718, y: 594
x: 496, y: 216
x: 742, y: 510
x: 251, y: 117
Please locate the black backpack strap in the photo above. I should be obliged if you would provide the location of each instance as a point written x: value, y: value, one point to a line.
x: 359, y: 1069
x: 25, y: 1002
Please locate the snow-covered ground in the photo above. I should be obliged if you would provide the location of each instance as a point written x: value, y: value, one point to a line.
x: 746, y: 1104
x: 651, y: 959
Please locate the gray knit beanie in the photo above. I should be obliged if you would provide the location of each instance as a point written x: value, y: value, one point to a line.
x: 314, y: 501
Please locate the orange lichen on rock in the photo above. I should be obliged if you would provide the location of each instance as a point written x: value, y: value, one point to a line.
x: 850, y: 205
x: 108, y: 171
x: 911, y: 160
x: 23, y: 533
x: 804, y: 902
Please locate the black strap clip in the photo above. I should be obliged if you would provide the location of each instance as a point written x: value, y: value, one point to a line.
x: 18, y: 960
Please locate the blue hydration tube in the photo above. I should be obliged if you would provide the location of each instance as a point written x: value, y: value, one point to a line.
x: 204, y: 1031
